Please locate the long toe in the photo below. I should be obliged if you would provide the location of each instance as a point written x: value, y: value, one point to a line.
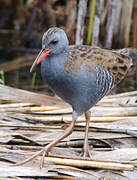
x: 34, y: 156
x: 44, y: 153
x: 86, y: 153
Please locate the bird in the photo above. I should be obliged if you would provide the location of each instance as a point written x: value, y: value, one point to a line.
x: 79, y: 74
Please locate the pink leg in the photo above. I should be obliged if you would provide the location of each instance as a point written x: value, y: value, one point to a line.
x: 86, y: 152
x: 47, y: 148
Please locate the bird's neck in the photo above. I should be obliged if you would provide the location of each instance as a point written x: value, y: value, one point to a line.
x: 60, y: 58
x: 52, y: 66
x: 57, y: 60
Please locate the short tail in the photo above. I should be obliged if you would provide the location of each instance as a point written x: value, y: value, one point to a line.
x: 130, y: 52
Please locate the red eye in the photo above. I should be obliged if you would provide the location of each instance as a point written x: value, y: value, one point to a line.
x: 54, y: 42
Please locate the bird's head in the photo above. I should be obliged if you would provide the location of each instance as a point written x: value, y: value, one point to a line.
x: 54, y: 41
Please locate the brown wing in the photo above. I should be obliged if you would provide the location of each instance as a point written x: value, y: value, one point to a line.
x: 114, y: 61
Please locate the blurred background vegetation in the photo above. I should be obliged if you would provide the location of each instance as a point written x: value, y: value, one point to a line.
x: 106, y: 23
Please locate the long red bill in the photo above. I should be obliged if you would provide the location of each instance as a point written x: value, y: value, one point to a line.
x: 42, y: 54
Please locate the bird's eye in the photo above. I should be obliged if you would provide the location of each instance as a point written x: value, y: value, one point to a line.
x: 54, y: 42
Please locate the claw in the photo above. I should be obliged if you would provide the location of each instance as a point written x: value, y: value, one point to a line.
x: 42, y: 152
x: 29, y: 159
x: 47, y: 148
x: 86, y: 153
x: 45, y: 153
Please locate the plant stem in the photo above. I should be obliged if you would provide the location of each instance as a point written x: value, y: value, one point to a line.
x: 91, y: 20
x: 2, y: 79
x: 33, y: 79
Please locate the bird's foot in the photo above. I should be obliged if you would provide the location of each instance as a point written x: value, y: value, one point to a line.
x: 86, y: 153
x: 47, y: 148
x: 43, y: 152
